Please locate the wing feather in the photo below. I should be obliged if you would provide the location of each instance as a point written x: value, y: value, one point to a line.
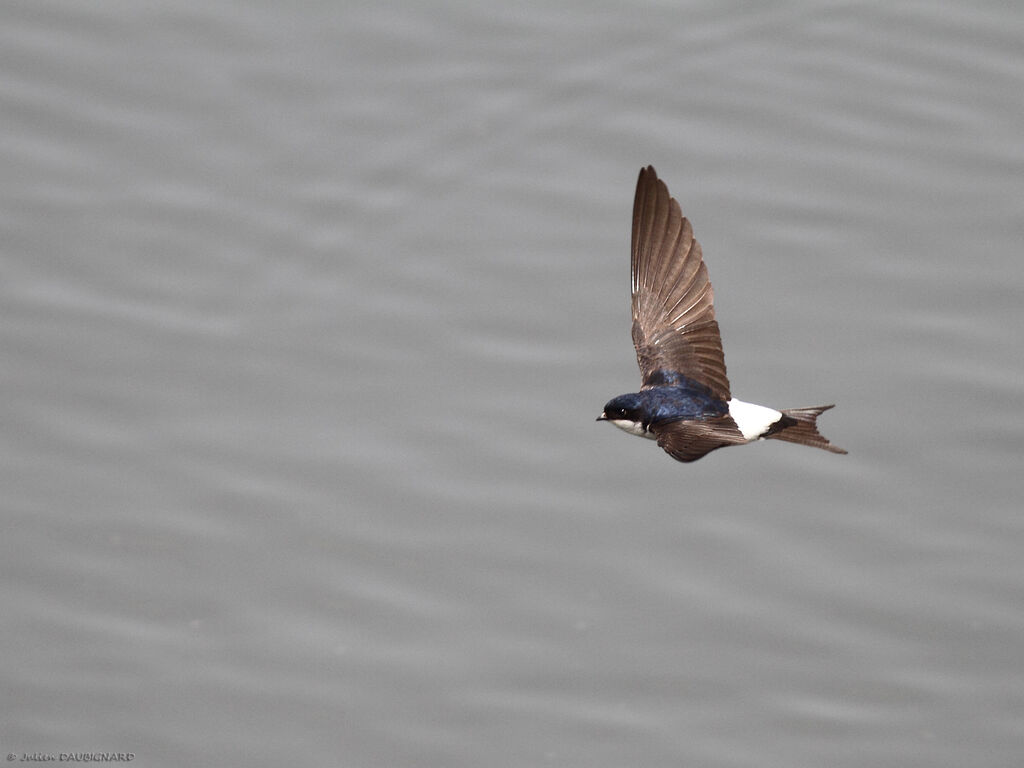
x: 674, y: 325
x: 689, y: 440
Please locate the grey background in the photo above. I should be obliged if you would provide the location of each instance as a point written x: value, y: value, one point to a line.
x: 308, y: 310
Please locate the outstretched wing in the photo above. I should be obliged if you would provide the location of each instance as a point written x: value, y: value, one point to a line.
x: 674, y: 327
x: 689, y: 440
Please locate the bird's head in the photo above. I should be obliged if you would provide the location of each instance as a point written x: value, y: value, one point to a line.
x: 626, y: 413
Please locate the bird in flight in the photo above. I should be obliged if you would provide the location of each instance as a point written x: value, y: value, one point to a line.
x: 684, y: 402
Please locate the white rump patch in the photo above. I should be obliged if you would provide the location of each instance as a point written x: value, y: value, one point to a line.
x: 633, y: 427
x: 753, y: 420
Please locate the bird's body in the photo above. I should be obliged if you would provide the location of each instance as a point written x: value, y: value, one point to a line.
x: 685, y: 401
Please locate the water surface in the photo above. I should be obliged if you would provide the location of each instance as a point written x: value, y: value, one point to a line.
x: 308, y: 312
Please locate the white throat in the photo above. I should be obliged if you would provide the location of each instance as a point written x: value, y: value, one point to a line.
x: 633, y: 427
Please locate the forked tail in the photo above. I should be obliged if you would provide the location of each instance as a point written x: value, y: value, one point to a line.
x: 800, y: 425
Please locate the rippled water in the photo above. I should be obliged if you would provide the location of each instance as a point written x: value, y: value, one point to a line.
x: 308, y: 312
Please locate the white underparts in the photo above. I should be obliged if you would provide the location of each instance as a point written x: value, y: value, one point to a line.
x: 753, y: 420
x: 633, y: 427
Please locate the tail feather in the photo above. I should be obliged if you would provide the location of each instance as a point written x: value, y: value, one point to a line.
x: 799, y: 425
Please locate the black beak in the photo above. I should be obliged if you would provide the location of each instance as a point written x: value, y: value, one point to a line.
x: 602, y: 417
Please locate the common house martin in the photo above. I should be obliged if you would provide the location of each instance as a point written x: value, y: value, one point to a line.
x: 684, y: 402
